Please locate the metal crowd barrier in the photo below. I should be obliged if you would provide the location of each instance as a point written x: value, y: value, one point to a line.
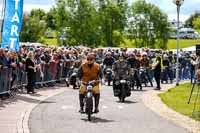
x: 15, y: 79
x: 4, y: 80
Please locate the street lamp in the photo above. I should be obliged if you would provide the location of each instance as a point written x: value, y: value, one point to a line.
x: 178, y: 4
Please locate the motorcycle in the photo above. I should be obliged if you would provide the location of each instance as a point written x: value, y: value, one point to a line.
x: 88, y: 100
x: 132, y: 77
x: 67, y: 81
x: 74, y: 80
x: 144, y: 77
x: 108, y: 75
x: 122, y: 89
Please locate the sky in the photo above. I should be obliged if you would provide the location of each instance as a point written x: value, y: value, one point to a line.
x: 167, y: 6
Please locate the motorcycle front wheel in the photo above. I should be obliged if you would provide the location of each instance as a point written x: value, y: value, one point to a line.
x: 89, y: 107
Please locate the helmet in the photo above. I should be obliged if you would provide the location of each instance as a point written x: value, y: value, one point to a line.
x: 144, y: 54
x: 131, y: 54
x: 120, y: 54
x: 108, y: 53
x: 165, y: 55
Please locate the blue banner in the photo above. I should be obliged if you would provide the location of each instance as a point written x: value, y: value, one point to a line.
x: 12, y: 23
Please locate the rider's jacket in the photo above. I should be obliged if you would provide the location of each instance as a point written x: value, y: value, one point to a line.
x: 145, y: 62
x: 121, y: 69
x: 166, y: 63
x: 133, y: 63
x: 89, y: 72
x: 108, y: 61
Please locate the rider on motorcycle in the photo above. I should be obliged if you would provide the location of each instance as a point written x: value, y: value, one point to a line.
x: 145, y: 63
x: 121, y: 70
x: 135, y: 64
x: 109, y: 60
x: 89, y: 71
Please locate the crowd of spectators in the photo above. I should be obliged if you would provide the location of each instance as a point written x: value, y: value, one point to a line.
x: 44, y: 66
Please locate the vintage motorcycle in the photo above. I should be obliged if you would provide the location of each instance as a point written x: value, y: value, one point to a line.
x: 88, y: 100
x: 122, y: 89
x: 74, y: 80
x: 108, y: 75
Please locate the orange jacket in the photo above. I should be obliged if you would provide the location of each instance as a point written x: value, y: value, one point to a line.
x: 90, y: 74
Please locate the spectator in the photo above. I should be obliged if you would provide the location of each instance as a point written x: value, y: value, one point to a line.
x: 31, y: 70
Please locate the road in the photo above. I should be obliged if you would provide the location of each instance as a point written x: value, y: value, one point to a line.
x: 59, y: 114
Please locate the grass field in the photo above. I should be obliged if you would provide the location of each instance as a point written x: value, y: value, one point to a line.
x: 182, y: 44
x: 50, y: 41
x: 131, y: 44
x: 177, y: 98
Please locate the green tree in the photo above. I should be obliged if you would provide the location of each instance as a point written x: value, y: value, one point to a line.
x: 147, y: 25
x: 196, y: 23
x: 39, y: 13
x: 51, y: 19
x: 32, y: 29
x: 189, y: 21
x: 84, y: 23
x: 113, y: 18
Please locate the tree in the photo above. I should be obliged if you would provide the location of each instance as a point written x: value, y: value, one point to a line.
x: 196, y: 23
x: 32, y: 28
x: 189, y: 21
x: 39, y: 13
x: 51, y: 19
x: 147, y: 25
x: 113, y: 18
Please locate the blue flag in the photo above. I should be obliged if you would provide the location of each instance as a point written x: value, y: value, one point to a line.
x: 12, y: 23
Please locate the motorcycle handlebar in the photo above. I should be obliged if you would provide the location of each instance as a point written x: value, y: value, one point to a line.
x: 92, y: 82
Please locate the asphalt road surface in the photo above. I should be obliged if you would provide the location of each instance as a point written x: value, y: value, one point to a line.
x: 59, y: 114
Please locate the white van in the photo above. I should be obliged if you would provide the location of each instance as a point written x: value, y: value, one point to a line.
x: 188, y: 33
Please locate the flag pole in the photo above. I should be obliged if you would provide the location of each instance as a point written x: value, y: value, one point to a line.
x: 1, y: 19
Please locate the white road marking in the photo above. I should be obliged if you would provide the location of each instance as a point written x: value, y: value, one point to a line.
x: 120, y: 107
x: 67, y: 107
x: 104, y: 107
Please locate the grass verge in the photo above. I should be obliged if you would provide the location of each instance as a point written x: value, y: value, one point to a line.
x: 177, y: 98
x: 183, y: 43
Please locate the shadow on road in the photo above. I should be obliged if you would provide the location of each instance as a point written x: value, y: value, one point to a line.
x: 43, y: 102
x: 135, y: 90
x: 127, y: 102
x: 98, y: 120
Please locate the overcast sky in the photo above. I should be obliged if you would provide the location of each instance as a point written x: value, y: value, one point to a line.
x: 189, y: 7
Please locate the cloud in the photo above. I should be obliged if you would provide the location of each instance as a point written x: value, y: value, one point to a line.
x: 167, y: 6
x: 39, y: 2
x: 29, y: 7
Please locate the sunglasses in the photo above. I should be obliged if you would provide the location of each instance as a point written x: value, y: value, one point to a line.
x: 89, y: 59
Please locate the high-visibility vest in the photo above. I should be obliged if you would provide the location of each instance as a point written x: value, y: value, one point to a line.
x: 161, y: 62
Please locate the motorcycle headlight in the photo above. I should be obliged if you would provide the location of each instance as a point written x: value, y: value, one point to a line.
x: 122, y: 81
x: 89, y: 94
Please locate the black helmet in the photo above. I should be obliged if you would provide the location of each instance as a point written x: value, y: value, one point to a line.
x: 120, y: 54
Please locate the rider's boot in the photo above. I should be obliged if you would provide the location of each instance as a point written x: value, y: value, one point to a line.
x: 81, y: 97
x: 151, y: 83
x: 96, y: 97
